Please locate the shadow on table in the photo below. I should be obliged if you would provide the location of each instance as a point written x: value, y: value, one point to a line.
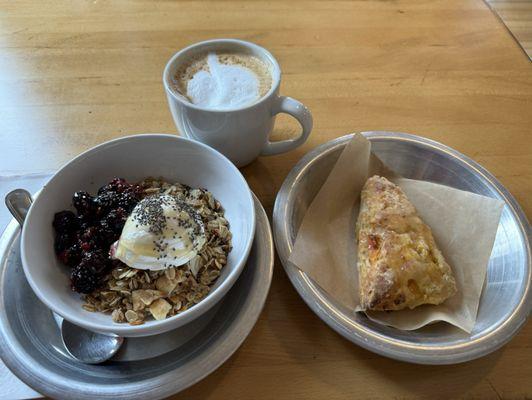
x: 444, y: 381
x: 326, y: 356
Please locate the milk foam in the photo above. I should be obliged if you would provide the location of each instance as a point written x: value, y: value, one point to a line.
x: 223, y: 86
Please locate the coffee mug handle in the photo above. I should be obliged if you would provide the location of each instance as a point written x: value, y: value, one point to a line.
x: 297, y: 110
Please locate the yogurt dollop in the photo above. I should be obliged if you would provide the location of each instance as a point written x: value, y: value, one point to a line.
x: 161, y: 232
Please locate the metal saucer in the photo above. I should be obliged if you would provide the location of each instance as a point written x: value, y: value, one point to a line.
x: 506, y: 301
x: 31, y: 348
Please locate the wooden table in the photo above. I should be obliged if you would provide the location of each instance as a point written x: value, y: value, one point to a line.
x: 517, y: 15
x: 77, y: 73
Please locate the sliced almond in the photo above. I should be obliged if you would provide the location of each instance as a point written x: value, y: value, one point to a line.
x: 149, y: 295
x: 144, y: 297
x: 194, y: 265
x: 165, y: 285
x: 135, y: 298
x: 159, y: 308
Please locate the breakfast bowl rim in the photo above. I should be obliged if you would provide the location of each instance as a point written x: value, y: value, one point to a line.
x: 152, y: 326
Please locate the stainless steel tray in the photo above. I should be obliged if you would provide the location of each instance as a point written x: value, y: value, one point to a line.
x: 31, y: 348
x: 506, y: 301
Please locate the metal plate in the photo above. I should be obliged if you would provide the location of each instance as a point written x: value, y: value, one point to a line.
x: 31, y: 348
x: 505, y: 303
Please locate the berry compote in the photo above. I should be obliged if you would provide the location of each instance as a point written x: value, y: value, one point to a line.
x: 83, y: 238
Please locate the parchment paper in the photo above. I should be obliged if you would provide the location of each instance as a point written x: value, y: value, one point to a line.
x: 464, y: 225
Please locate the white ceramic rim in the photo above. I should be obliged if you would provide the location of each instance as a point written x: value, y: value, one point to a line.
x: 124, y: 329
x: 275, y: 73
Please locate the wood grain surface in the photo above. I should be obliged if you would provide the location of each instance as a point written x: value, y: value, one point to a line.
x: 77, y: 73
x: 517, y: 15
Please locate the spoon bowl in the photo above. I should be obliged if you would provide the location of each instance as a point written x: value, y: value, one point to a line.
x: 89, y: 347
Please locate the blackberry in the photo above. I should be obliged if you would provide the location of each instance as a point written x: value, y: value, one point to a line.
x: 65, y: 221
x: 71, y: 256
x: 128, y: 200
x: 137, y: 190
x: 105, y: 202
x: 96, y: 260
x: 84, y: 203
x: 116, y: 185
x: 85, y: 222
x: 90, y: 236
x: 97, y: 237
x: 115, y: 220
x: 84, y: 279
x: 108, y: 236
x: 118, y: 193
x: 63, y: 241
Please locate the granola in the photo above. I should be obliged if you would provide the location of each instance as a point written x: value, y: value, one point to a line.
x: 134, y: 296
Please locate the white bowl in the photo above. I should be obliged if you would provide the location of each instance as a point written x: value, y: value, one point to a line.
x: 134, y: 158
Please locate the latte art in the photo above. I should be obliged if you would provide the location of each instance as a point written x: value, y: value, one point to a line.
x: 223, y: 86
x: 223, y: 81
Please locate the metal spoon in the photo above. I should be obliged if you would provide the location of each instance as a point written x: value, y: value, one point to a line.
x: 83, y: 345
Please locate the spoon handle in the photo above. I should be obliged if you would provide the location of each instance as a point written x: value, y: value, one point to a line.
x: 18, y: 202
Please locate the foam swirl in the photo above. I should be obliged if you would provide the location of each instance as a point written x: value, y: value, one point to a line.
x: 223, y: 86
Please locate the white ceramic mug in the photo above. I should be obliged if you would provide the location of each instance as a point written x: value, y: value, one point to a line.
x: 241, y: 134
